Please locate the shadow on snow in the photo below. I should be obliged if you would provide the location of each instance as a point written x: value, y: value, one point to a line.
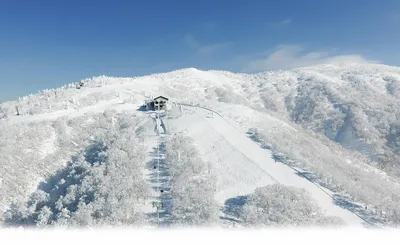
x: 337, y: 199
x: 159, y: 176
x: 56, y: 187
x: 232, y: 208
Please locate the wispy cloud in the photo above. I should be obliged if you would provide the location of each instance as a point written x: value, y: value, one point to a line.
x: 204, y: 49
x: 395, y: 16
x: 293, y: 56
x: 208, y: 26
x: 190, y: 41
x: 281, y: 23
x: 286, y: 21
x: 213, y: 48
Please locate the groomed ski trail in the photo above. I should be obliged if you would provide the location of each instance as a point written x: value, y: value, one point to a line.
x: 262, y: 159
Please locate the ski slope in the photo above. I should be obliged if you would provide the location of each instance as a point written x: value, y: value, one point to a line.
x: 242, y: 165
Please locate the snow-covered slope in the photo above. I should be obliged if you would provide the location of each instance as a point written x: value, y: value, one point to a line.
x: 327, y: 127
x: 242, y: 165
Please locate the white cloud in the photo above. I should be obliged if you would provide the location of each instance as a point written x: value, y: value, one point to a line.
x: 395, y: 16
x: 281, y: 23
x: 208, y: 26
x: 293, y: 56
x: 204, y: 49
x: 190, y: 41
x: 286, y: 21
x: 213, y: 48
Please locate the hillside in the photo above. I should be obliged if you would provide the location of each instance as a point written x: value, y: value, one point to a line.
x: 84, y: 156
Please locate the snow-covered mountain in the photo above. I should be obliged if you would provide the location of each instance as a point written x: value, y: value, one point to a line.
x: 232, y: 145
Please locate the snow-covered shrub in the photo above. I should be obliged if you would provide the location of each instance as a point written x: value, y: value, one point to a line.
x: 102, y: 185
x: 339, y: 169
x: 193, y: 185
x: 279, y: 205
x: 393, y: 85
x: 23, y: 159
x: 225, y: 94
x: 106, y: 190
x: 355, y: 106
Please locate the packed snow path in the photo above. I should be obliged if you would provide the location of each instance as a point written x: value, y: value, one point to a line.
x: 251, y: 166
x: 157, y: 208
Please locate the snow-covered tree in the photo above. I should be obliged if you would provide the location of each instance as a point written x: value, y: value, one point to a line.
x: 279, y: 205
x: 102, y: 185
x: 192, y: 185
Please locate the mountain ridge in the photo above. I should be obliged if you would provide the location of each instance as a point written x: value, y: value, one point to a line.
x: 295, y: 94
x: 338, y: 122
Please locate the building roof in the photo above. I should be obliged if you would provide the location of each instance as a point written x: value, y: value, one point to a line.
x: 160, y: 97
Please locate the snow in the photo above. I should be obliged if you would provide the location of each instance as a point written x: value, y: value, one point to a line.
x: 241, y: 101
x: 243, y: 166
x: 49, y: 147
x: 152, y: 134
x: 235, y: 177
x: 115, y: 104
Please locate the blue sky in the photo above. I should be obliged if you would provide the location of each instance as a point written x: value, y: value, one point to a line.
x: 45, y: 44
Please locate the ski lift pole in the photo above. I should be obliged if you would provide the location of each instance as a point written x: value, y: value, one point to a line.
x: 158, y: 216
x: 158, y: 171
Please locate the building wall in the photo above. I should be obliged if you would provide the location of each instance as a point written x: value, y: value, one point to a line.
x: 160, y: 104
